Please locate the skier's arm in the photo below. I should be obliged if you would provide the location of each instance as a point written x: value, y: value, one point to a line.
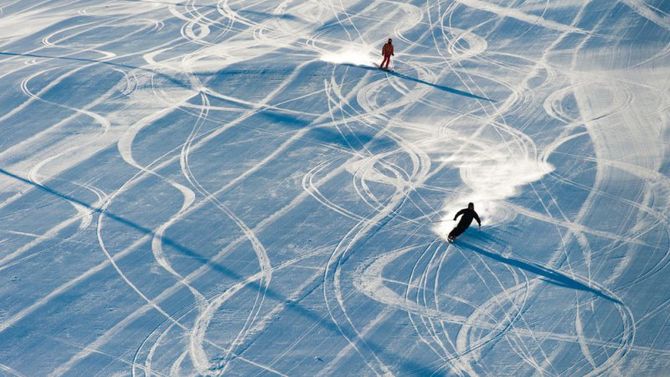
x: 477, y: 218
x: 458, y: 214
x: 392, y: 50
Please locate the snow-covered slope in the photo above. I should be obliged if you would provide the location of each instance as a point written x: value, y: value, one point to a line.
x: 202, y: 187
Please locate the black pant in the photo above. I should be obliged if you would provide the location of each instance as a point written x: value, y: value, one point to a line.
x: 458, y: 230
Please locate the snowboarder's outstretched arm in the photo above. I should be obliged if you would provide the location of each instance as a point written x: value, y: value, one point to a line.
x: 477, y: 218
x: 459, y: 213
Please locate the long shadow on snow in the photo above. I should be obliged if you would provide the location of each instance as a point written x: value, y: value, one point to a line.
x: 182, y: 84
x: 547, y: 274
x: 207, y: 6
x: 285, y: 119
x: 348, y: 139
x: 172, y: 79
x: 291, y: 304
x: 418, y: 80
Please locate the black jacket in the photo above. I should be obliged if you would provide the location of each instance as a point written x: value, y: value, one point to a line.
x: 468, y: 215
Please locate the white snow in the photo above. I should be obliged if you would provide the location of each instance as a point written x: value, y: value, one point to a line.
x: 212, y: 188
x: 356, y: 55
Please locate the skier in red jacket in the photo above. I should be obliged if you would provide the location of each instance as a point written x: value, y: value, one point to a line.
x: 387, y: 52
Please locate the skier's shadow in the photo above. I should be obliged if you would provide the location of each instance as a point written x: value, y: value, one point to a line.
x: 418, y: 80
x: 549, y: 275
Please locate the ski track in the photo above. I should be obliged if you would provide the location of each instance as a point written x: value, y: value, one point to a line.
x: 231, y: 188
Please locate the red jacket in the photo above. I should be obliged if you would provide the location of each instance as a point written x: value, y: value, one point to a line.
x: 387, y: 50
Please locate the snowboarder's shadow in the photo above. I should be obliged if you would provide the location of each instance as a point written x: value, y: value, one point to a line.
x: 418, y: 80
x: 487, y: 236
x: 549, y: 275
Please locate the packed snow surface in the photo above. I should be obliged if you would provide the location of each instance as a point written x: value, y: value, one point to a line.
x: 203, y: 187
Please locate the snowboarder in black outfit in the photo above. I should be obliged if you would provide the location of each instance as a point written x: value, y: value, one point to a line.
x: 468, y: 214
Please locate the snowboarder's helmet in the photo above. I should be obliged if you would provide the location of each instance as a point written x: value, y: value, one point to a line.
x: 471, y: 205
